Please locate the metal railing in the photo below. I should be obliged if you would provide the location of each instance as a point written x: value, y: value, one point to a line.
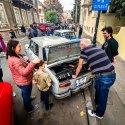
x: 29, y: 2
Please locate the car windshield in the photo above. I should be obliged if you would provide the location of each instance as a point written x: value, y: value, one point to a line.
x: 56, y: 34
x: 69, y: 35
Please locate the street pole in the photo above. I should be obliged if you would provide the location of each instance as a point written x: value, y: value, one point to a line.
x: 96, y: 28
x: 76, y: 12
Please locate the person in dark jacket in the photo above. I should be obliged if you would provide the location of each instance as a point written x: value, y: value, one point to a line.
x: 12, y: 34
x: 23, y: 30
x: 110, y: 45
x: 80, y: 31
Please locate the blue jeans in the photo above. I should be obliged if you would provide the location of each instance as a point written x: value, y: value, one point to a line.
x: 26, y: 93
x: 102, y: 85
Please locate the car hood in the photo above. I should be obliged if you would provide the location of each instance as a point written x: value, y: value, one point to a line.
x: 63, y: 52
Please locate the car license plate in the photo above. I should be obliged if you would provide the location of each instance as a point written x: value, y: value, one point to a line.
x: 80, y: 81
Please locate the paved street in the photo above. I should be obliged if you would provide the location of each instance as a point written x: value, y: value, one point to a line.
x: 71, y: 110
x: 68, y: 111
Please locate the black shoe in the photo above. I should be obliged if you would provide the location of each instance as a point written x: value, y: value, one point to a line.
x: 34, y: 108
x: 50, y: 107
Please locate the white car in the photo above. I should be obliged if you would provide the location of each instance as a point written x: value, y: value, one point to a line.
x: 61, y: 58
x: 68, y: 34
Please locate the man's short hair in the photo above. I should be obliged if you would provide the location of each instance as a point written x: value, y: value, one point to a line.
x: 86, y: 41
x: 108, y: 29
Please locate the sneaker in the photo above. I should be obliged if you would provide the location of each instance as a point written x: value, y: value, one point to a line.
x: 34, y: 109
x: 32, y: 97
x: 99, y: 117
x: 93, y: 114
x: 14, y: 94
x: 50, y: 107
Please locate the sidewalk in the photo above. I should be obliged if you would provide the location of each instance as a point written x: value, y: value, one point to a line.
x: 115, y: 111
x: 119, y: 85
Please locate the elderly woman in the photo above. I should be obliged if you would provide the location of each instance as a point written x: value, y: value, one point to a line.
x: 22, y: 72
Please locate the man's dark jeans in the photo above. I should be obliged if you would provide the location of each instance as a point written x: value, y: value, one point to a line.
x: 1, y: 75
x: 102, y: 85
x: 26, y: 93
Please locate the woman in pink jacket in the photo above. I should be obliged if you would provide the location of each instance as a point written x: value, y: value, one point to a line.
x: 22, y: 72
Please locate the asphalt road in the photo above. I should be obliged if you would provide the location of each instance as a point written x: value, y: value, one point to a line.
x: 68, y: 111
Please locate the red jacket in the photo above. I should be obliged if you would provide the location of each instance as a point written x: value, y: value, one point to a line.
x: 22, y: 72
x: 6, y: 104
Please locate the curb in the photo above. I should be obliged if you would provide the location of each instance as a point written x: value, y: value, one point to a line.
x: 120, y: 92
x: 91, y: 120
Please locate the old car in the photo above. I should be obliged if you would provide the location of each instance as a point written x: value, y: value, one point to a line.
x: 61, y: 56
x: 68, y: 34
x: 43, y: 27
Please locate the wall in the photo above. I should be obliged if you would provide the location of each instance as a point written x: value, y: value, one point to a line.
x: 120, y: 37
x: 119, y: 34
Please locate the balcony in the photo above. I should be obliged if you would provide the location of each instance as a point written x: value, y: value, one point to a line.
x: 23, y: 3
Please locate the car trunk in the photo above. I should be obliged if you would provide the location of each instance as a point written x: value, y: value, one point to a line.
x: 63, y: 51
x: 65, y: 70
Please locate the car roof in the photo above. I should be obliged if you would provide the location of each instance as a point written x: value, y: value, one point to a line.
x: 64, y: 31
x: 49, y: 40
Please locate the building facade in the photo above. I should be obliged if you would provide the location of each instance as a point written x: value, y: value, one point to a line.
x: 41, y: 12
x: 87, y: 18
x: 67, y: 16
x: 14, y: 13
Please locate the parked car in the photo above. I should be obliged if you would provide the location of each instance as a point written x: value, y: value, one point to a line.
x: 43, y: 27
x: 68, y: 34
x: 61, y: 56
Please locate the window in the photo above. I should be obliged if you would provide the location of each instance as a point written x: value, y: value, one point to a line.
x: 34, y: 47
x: 30, y: 18
x: 94, y: 14
x: 36, y: 17
x: 24, y: 16
x: 3, y: 17
x: 17, y: 15
x: 40, y: 10
x: 57, y: 34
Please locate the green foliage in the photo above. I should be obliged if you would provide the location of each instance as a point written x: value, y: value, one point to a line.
x: 51, y: 16
x: 118, y: 7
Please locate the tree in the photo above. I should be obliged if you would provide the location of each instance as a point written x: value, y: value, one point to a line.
x: 118, y: 7
x: 53, y: 5
x: 51, y: 16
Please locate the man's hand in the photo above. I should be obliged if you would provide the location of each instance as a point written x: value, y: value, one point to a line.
x: 74, y: 76
x: 78, y: 68
x: 114, y: 60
